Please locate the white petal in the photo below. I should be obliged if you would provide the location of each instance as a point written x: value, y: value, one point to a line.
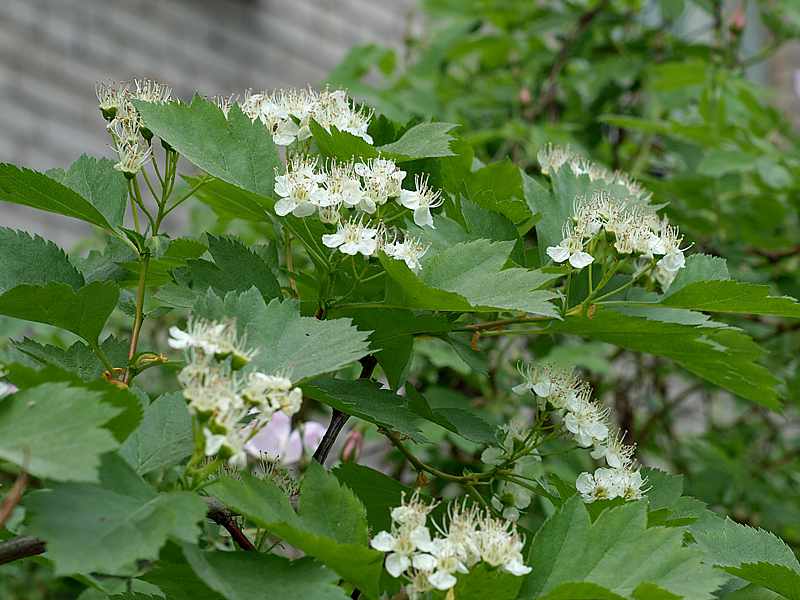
x: 585, y: 483
x: 516, y: 567
x: 442, y: 580
x: 333, y: 240
x: 383, y: 541
x: 581, y: 259
x: 367, y: 247
x: 543, y: 389
x: 421, y: 538
x: 522, y: 388
x: 350, y: 248
x: 396, y: 564
x: 424, y: 562
x: 422, y: 217
x: 284, y: 206
x: 558, y: 253
x: 305, y: 209
x: 409, y: 199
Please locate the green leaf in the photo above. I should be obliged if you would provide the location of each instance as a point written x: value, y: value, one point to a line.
x: 722, y: 355
x: 366, y: 400
x: 580, y: 591
x: 752, y: 554
x: 330, y: 524
x: 730, y: 296
x: 84, y: 311
x: 719, y: 162
x: 484, y: 582
x: 617, y: 552
x: 426, y: 140
x: 108, y: 527
x: 470, y: 277
x: 700, y: 267
x: 393, y: 331
x: 177, y: 580
x: 499, y: 188
x: 451, y: 410
x: 231, y: 202
x: 37, y: 190
x: 236, y: 268
x: 341, y: 145
x: 55, y: 431
x: 375, y: 490
x: 302, y: 347
x: 251, y: 575
x: 33, y: 260
x: 163, y: 438
x: 236, y: 150
x: 78, y: 359
x: 96, y: 180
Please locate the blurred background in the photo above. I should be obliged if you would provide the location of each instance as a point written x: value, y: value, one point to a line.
x: 698, y: 99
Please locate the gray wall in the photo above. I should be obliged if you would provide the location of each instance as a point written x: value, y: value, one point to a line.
x: 53, y: 51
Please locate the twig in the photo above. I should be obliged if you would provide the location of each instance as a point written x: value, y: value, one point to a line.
x: 222, y: 516
x: 338, y: 418
x: 20, y: 547
x: 139, y: 317
x: 13, y: 497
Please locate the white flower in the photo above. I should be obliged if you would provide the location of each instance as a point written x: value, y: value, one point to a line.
x: 132, y: 156
x: 151, y: 91
x: 570, y: 249
x: 211, y: 337
x: 342, y: 187
x: 630, y: 484
x: 298, y: 188
x: 603, y: 484
x: 537, y: 380
x: 401, y: 546
x: 586, y: 421
x: 672, y: 261
x: 421, y: 200
x: 616, y: 454
x: 410, y: 251
x: 6, y: 389
x: 214, y: 442
x: 446, y: 562
x: 501, y: 546
x: 552, y: 158
x: 382, y: 180
x: 353, y: 237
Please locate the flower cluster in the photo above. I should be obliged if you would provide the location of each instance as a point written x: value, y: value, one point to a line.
x: 588, y: 423
x: 131, y: 139
x: 231, y: 406
x: 288, y: 113
x: 635, y: 229
x: 469, y: 537
x: 6, y: 389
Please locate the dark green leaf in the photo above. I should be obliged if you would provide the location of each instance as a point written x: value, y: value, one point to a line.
x: 33, y: 260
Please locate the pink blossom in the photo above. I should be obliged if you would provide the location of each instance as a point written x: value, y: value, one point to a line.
x: 278, y: 440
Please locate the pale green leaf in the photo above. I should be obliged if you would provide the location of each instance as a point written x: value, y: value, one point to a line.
x: 617, y: 552
x: 54, y: 431
x: 426, y: 140
x: 107, y: 527
x: 233, y: 149
x: 163, y: 438
x: 253, y: 576
x: 288, y: 343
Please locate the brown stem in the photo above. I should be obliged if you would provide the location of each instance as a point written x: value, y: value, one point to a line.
x: 222, y: 516
x: 20, y: 547
x: 338, y: 418
x: 13, y: 497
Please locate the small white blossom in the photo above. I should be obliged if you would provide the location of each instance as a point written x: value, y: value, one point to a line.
x: 297, y: 188
x: 421, y: 200
x: 132, y: 156
x: 150, y: 91
x: 614, y: 451
x: 586, y: 420
x: 353, y: 237
x: 410, y: 251
x: 570, y: 249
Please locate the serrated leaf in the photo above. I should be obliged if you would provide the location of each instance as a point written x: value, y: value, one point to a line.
x: 78, y: 358
x: 37, y: 190
x: 732, y: 297
x: 236, y: 268
x: 231, y: 202
x: 84, y: 311
x: 393, y: 331
x: 580, y: 591
x: 177, y: 581
x: 778, y: 578
x: 314, y: 528
x: 700, y: 267
x: 375, y: 490
x: 366, y: 400
x: 249, y: 575
x: 163, y: 438
x: 54, y: 431
x: 96, y: 180
x: 723, y: 355
x: 426, y: 140
x: 617, y: 552
x: 31, y: 259
x: 499, y: 187
x: 233, y: 149
x: 300, y: 346
x: 470, y: 277
x: 107, y: 527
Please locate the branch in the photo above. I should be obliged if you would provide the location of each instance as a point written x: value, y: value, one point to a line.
x: 563, y: 55
x: 338, y: 418
x: 25, y: 545
x: 13, y: 497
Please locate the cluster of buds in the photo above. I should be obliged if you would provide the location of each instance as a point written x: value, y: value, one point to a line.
x: 131, y: 139
x: 287, y: 114
x: 232, y: 406
x: 588, y: 423
x: 431, y: 562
